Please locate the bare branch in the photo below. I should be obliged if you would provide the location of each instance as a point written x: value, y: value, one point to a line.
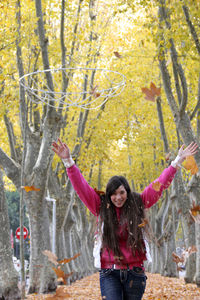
x: 191, y: 27
x: 11, y: 168
x: 15, y: 152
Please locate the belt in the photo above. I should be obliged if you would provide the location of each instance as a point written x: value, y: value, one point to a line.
x: 124, y: 267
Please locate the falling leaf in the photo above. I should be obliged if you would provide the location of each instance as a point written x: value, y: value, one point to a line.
x: 30, y: 188
x: 195, y: 210
x: 99, y: 192
x: 181, y: 260
x: 94, y: 92
x: 67, y: 260
x: 51, y: 256
x: 195, y: 213
x: 152, y: 92
x: 118, y: 258
x: 61, y: 274
x: 192, y: 249
x: 117, y: 54
x: 167, y: 156
x: 190, y: 164
x: 176, y: 258
x: 156, y: 186
x: 144, y: 222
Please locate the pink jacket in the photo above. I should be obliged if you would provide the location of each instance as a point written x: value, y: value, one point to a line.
x: 92, y: 200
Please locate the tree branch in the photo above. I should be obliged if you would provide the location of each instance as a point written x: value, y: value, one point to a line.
x: 162, y: 125
x: 11, y: 168
x: 15, y: 152
x: 197, y: 107
x: 191, y: 27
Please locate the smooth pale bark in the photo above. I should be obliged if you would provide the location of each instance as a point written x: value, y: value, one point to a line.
x: 8, y: 275
x: 182, y: 201
x: 193, y: 190
x: 182, y: 122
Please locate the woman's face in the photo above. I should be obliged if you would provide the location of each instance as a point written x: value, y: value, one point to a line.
x: 119, y: 197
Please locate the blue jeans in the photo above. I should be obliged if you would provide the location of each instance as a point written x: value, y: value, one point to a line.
x: 122, y: 284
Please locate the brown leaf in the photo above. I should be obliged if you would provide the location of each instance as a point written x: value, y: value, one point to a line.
x: 143, y: 224
x: 117, y: 54
x: 61, y: 293
x: 176, y: 258
x: 94, y: 92
x: 195, y: 210
x: 51, y: 256
x: 167, y: 156
x: 156, y: 91
x: 67, y: 260
x: 30, y: 188
x: 118, y: 258
x: 61, y: 274
x: 150, y: 94
x: 192, y: 249
x: 99, y: 192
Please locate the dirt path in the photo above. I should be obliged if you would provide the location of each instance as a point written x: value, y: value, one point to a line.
x: 158, y: 288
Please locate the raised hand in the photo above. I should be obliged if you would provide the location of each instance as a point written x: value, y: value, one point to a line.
x: 183, y: 152
x: 61, y: 149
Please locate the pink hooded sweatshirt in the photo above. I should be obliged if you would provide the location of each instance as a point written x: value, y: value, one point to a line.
x: 92, y: 200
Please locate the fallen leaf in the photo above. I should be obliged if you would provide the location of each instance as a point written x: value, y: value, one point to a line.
x: 30, y: 188
x: 158, y: 288
x: 61, y: 293
x: 190, y: 164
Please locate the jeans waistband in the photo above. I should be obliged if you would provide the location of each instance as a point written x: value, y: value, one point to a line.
x: 124, y: 267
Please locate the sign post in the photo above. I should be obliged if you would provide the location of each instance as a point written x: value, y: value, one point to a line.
x: 17, y: 233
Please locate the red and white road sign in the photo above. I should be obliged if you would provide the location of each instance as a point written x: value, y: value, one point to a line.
x: 17, y: 233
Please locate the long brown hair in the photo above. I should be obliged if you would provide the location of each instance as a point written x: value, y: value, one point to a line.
x: 131, y: 216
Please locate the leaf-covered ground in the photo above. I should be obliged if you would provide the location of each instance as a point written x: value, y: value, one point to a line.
x: 158, y: 288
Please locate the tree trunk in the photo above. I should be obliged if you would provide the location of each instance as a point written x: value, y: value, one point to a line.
x: 182, y: 121
x: 193, y: 190
x: 8, y: 275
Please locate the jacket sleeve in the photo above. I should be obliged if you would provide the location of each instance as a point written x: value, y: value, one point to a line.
x: 153, y: 192
x: 85, y: 192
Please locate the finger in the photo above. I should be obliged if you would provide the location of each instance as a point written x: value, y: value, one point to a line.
x: 54, y: 144
x: 66, y: 147
x: 195, y: 146
x: 59, y: 140
x: 192, y: 144
x: 54, y: 150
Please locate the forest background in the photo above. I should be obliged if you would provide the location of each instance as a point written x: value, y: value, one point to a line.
x: 155, y: 45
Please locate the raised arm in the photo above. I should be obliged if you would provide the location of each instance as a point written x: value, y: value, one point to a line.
x: 153, y: 192
x: 85, y: 192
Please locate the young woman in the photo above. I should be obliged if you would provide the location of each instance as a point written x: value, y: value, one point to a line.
x: 120, y: 245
